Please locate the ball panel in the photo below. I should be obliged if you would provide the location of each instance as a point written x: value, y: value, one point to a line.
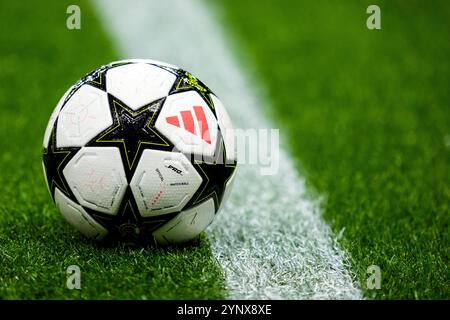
x: 78, y: 217
x: 226, y: 127
x: 163, y: 182
x: 53, y: 117
x: 84, y: 116
x: 138, y: 84
x: 97, y: 178
x: 187, y: 225
x: 186, y: 120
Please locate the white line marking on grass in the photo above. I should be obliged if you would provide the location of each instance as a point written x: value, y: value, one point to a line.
x: 270, y: 239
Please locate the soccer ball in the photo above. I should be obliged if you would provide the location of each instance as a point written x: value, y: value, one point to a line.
x: 139, y: 151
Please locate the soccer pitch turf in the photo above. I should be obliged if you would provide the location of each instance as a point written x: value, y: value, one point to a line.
x: 365, y: 114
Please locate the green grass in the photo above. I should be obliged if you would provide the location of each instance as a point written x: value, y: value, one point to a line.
x: 367, y: 114
x: 39, y: 59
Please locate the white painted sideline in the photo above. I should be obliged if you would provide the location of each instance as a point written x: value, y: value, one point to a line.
x: 270, y: 239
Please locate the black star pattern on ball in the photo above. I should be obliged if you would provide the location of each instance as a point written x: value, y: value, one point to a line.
x: 186, y: 81
x: 97, y: 78
x: 55, y: 159
x: 132, y: 131
x: 215, y: 175
x: 128, y: 225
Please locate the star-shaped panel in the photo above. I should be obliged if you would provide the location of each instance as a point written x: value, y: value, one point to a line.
x: 132, y: 132
x: 186, y: 81
x: 97, y: 78
x: 128, y: 225
x: 215, y: 174
x: 55, y: 159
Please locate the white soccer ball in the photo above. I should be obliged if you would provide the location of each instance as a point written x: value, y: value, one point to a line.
x: 139, y: 151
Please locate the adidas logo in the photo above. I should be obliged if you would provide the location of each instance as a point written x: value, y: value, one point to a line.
x: 195, y: 124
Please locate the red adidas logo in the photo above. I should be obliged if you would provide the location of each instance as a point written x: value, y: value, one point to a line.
x: 189, y: 123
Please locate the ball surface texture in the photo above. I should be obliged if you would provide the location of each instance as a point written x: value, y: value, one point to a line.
x: 139, y: 151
